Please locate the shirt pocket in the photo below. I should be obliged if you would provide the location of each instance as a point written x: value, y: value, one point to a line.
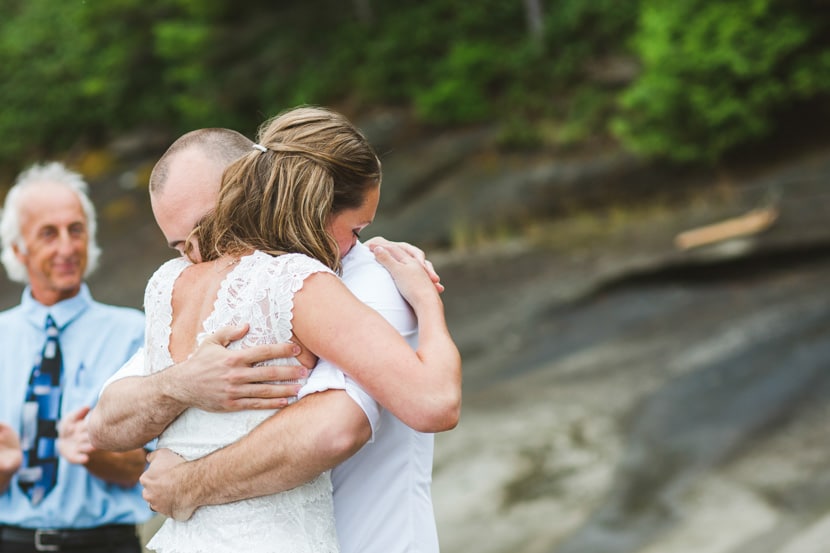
x: 80, y: 387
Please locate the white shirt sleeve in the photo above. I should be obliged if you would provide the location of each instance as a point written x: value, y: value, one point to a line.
x: 327, y: 376
x: 133, y: 367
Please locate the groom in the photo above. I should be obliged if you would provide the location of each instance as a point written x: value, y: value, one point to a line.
x: 382, y: 497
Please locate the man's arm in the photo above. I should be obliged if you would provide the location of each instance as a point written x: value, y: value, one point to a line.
x: 134, y: 410
x: 131, y: 412
x: 122, y: 469
x: 290, y: 448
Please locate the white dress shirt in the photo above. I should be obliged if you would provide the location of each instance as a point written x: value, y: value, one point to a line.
x: 382, y: 497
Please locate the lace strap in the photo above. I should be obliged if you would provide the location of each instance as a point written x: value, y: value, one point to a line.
x: 158, y: 311
x: 260, y: 291
x: 160, y: 286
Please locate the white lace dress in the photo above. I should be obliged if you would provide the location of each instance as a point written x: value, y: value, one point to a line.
x: 259, y: 291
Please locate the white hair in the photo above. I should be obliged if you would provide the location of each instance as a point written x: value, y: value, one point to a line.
x: 10, y: 231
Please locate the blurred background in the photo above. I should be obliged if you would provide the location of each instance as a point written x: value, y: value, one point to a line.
x: 627, y: 202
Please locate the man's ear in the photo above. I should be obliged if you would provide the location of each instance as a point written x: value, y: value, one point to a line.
x: 19, y: 253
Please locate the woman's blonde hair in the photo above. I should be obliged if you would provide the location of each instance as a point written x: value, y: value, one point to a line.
x: 310, y: 163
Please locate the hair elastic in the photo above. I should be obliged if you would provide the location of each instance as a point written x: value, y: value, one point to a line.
x: 260, y: 147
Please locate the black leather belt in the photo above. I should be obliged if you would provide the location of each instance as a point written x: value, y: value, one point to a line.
x: 68, y: 539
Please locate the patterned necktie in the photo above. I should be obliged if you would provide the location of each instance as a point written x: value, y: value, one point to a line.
x: 40, y: 419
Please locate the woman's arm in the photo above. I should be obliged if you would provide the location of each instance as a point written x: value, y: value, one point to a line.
x: 420, y: 387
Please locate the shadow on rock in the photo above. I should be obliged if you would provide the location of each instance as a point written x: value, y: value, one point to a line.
x: 694, y: 423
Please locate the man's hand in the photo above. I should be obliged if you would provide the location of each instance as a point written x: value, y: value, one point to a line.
x: 11, y: 457
x: 73, y: 437
x: 135, y: 409
x: 412, y: 251
x: 161, y: 488
x: 217, y: 379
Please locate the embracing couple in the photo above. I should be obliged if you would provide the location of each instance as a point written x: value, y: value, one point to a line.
x: 272, y: 283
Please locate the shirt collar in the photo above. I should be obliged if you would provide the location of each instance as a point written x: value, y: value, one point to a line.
x: 63, y: 312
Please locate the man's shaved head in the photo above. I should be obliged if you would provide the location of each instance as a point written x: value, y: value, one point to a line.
x: 185, y: 181
x: 222, y: 146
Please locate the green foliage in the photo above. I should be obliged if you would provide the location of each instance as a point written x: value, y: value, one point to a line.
x: 36, y: 78
x: 549, y: 97
x: 460, y: 93
x: 60, y: 83
x: 446, y: 59
x: 577, y: 31
x: 716, y: 73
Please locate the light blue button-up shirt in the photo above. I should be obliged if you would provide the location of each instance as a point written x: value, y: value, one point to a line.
x: 96, y: 339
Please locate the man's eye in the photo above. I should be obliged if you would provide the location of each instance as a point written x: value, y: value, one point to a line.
x: 48, y: 233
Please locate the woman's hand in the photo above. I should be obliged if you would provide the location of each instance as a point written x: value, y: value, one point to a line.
x: 412, y: 279
x: 414, y: 251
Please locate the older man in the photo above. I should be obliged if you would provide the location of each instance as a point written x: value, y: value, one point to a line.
x: 57, y: 347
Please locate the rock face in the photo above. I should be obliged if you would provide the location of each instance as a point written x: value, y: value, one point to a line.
x: 673, y: 413
x: 621, y: 395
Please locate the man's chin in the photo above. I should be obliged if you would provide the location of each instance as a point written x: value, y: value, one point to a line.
x: 68, y: 286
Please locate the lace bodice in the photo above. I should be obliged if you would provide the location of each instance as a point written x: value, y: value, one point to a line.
x: 258, y: 291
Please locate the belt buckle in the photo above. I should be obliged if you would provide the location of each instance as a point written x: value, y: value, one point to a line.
x: 40, y: 546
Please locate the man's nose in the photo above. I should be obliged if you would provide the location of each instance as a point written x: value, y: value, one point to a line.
x: 67, y: 244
